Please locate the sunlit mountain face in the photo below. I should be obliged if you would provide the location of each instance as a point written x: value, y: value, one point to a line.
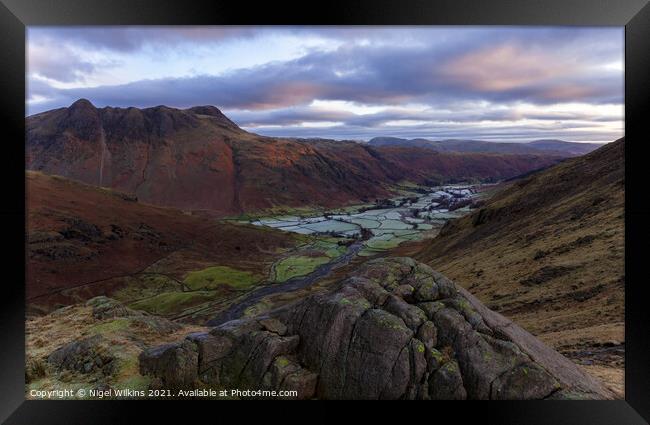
x: 502, y: 84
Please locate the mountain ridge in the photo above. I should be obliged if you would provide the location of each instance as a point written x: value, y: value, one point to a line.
x: 198, y: 159
x: 552, y: 146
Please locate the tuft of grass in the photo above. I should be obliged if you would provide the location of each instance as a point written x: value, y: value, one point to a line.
x: 297, y: 266
x: 169, y: 303
x: 213, y: 277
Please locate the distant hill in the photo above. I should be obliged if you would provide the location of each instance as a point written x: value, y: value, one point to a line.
x: 198, y: 159
x: 547, y: 251
x: 557, y: 147
x: 567, y: 147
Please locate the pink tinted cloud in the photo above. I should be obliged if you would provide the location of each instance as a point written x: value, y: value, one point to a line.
x: 568, y: 92
x: 505, y: 67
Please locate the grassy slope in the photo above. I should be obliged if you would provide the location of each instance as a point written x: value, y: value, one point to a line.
x: 85, y: 241
x: 548, y: 252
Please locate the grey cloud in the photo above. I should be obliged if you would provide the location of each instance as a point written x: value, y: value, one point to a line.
x: 375, y: 76
x: 129, y: 38
x: 378, y: 74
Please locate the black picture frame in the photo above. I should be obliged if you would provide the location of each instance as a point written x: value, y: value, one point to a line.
x: 15, y: 15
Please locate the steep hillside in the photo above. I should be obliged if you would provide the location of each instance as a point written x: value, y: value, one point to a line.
x: 197, y: 159
x: 555, y: 147
x: 548, y: 252
x: 445, y: 167
x: 84, y: 241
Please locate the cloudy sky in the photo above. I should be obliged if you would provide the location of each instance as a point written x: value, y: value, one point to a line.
x: 489, y: 83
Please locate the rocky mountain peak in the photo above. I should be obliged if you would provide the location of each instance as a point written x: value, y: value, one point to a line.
x: 213, y: 111
x: 81, y: 104
x: 82, y: 118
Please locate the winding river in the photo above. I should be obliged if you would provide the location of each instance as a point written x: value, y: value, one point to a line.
x: 237, y: 309
x: 409, y: 218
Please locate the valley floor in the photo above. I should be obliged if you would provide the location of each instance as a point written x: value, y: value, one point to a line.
x: 553, y: 275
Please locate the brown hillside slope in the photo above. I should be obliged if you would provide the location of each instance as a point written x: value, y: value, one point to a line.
x: 84, y: 241
x: 548, y: 252
x: 197, y: 159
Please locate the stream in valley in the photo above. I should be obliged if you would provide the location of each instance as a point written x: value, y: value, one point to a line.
x: 373, y: 229
x: 237, y: 309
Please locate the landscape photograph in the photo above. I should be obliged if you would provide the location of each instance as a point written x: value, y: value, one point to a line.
x: 324, y: 212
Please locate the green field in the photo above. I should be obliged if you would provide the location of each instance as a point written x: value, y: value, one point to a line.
x: 213, y: 277
x: 329, y: 247
x: 297, y: 266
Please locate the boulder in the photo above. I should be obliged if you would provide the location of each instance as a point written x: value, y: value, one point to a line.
x: 273, y: 325
x: 86, y: 356
x: 446, y: 383
x: 105, y: 308
x: 286, y: 374
x: 428, y: 334
x: 393, y: 329
x: 176, y: 365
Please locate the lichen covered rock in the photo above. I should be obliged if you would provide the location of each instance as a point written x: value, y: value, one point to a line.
x: 395, y: 329
x: 176, y: 365
x: 86, y: 355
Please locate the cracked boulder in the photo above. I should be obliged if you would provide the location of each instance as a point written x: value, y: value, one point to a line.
x: 393, y: 329
x: 86, y: 355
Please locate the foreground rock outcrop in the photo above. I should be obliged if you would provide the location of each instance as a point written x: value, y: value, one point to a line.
x: 396, y: 329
